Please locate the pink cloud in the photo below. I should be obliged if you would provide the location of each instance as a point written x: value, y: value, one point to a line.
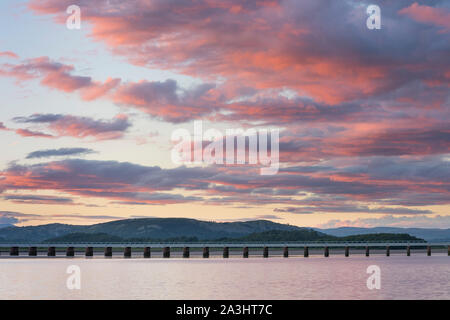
x: 439, y: 17
x: 58, y: 76
x: 8, y: 54
x: 73, y: 126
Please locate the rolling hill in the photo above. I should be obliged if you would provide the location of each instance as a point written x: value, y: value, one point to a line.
x: 147, y: 228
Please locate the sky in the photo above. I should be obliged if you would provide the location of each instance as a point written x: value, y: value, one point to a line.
x: 88, y: 114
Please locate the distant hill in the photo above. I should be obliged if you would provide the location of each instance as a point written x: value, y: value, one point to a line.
x: 178, y: 230
x: 147, y: 228
x: 423, y: 233
x: 303, y: 234
x: 85, y: 237
x: 266, y: 236
x: 36, y: 233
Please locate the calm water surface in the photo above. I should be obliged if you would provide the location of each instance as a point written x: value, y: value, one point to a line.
x: 415, y: 277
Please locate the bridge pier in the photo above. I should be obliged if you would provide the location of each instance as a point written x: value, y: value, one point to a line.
x: 286, y: 252
x: 326, y: 252
x: 226, y: 252
x: 347, y: 251
x: 127, y: 252
x: 186, y: 252
x: 14, y: 251
x: 388, y: 251
x: 448, y: 250
x: 89, y: 252
x: 108, y: 252
x: 408, y: 251
x: 51, y: 252
x: 147, y: 252
x: 306, y: 252
x: 245, y: 252
x: 266, y: 252
x: 428, y: 250
x: 367, y: 251
x: 206, y: 252
x: 32, y: 251
x: 166, y: 252
x: 70, y: 252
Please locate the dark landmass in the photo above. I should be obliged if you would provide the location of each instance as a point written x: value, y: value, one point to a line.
x: 187, y: 230
x: 147, y: 228
x: 423, y: 233
x: 266, y: 236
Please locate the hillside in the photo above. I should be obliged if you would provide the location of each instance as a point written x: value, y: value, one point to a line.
x: 147, y: 228
x: 190, y: 230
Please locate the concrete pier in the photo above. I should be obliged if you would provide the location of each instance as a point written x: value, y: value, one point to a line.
x: 186, y: 253
x: 388, y: 251
x: 108, y: 252
x: 408, y: 251
x: 226, y: 252
x: 347, y: 251
x: 127, y: 252
x: 306, y: 252
x: 166, y: 252
x: 32, y: 251
x: 89, y: 252
x: 367, y: 251
x: 286, y: 252
x: 14, y: 251
x: 266, y: 252
x: 206, y: 252
x: 326, y: 252
x: 429, y: 251
x: 147, y: 252
x: 51, y: 252
x: 70, y: 252
x: 245, y: 252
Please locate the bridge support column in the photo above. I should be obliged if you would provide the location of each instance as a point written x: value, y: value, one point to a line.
x: 147, y: 252
x: 206, y: 252
x: 388, y: 251
x: 70, y: 252
x: 226, y: 252
x: 166, y: 252
x: 32, y: 251
x: 127, y: 252
x: 408, y: 251
x: 266, y: 252
x: 347, y: 251
x: 14, y: 251
x: 448, y: 250
x: 245, y: 252
x: 89, y: 252
x: 326, y: 252
x: 306, y: 252
x: 429, y: 251
x: 367, y: 251
x: 51, y: 252
x: 108, y: 252
x: 186, y: 252
x: 286, y: 252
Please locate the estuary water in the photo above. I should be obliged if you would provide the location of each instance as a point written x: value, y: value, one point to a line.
x: 401, y: 277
